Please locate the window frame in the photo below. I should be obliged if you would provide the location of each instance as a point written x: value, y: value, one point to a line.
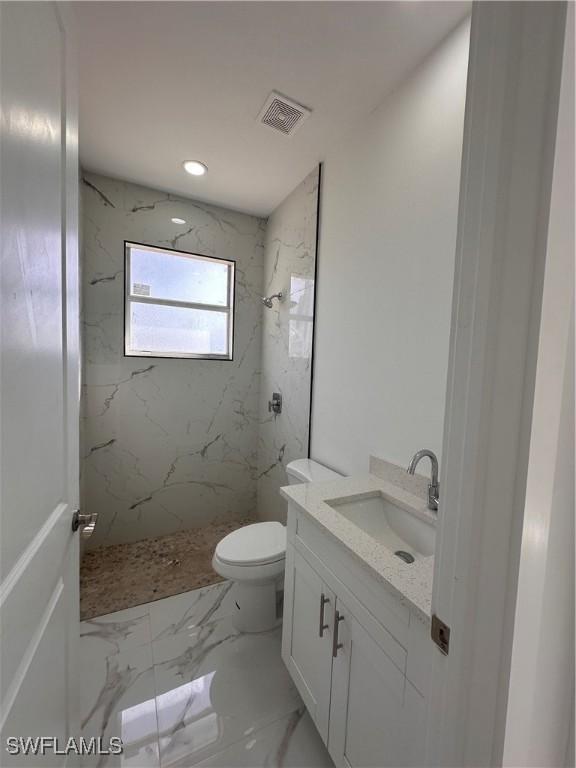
x: 129, y: 299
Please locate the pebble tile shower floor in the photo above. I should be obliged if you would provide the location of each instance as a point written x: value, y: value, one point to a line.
x: 120, y: 576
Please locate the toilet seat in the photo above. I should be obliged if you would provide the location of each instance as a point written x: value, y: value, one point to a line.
x: 258, y: 544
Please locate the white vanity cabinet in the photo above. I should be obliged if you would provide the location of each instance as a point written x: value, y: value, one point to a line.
x: 353, y: 673
x: 376, y: 716
x: 307, y: 649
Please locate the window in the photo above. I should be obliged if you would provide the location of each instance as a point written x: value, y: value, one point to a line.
x: 178, y: 304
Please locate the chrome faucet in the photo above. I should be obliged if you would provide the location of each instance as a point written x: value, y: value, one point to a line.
x: 434, y: 487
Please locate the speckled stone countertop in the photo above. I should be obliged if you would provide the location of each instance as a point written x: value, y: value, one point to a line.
x: 412, y: 582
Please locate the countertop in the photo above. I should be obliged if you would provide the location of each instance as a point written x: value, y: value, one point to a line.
x: 412, y: 582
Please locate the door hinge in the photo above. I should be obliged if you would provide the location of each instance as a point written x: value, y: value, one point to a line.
x: 440, y: 633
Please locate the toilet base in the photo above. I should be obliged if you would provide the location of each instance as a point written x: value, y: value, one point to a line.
x: 255, y: 606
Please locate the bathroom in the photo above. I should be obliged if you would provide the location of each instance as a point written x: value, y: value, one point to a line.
x: 183, y: 458
x: 177, y: 452
x: 310, y: 362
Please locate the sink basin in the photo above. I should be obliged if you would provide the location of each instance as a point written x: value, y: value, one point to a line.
x: 389, y: 524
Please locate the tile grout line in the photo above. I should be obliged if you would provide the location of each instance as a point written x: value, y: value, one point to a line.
x: 155, y: 686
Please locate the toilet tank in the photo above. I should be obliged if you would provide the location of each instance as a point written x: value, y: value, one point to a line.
x: 308, y: 471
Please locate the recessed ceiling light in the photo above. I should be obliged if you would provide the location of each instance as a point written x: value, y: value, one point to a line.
x: 176, y: 220
x: 195, y: 167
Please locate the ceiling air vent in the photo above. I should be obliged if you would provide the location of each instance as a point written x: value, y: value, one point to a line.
x: 283, y: 114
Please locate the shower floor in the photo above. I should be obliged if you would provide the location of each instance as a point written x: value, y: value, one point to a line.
x: 121, y: 576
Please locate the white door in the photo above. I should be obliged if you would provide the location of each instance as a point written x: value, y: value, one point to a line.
x: 307, y: 636
x: 377, y: 718
x: 509, y: 133
x: 39, y: 381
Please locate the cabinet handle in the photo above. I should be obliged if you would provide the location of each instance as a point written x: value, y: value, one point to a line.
x: 322, y: 627
x: 335, y: 644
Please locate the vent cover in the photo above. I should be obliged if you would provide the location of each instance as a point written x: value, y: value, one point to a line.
x: 282, y: 114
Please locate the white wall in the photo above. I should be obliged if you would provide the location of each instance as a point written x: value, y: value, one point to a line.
x: 540, y: 717
x: 386, y: 260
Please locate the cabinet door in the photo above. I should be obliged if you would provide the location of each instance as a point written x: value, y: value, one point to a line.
x: 372, y: 720
x: 307, y: 636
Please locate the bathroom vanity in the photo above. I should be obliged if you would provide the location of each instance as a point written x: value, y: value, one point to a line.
x: 356, y: 635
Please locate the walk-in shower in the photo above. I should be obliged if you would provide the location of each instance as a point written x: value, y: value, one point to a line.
x: 179, y: 451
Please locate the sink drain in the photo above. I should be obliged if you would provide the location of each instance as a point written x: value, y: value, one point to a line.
x: 406, y: 556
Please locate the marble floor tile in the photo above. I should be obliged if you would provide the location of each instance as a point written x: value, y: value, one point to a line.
x: 116, y: 632
x: 118, y: 699
x: 181, y: 687
x: 184, y: 612
x: 291, y: 742
x: 214, y: 687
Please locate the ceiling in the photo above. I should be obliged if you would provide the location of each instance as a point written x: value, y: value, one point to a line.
x: 164, y: 82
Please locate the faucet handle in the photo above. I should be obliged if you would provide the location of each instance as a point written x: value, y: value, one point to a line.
x: 433, y: 496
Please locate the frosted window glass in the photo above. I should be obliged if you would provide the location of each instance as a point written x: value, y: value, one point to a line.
x: 163, y: 329
x: 178, y: 304
x: 166, y: 275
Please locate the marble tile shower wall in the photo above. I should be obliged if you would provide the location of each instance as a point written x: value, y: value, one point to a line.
x: 289, y: 266
x: 168, y: 444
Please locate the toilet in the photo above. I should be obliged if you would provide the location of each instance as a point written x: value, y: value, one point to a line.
x: 253, y: 558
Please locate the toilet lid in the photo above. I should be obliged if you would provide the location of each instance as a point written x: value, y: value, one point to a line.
x: 255, y: 544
